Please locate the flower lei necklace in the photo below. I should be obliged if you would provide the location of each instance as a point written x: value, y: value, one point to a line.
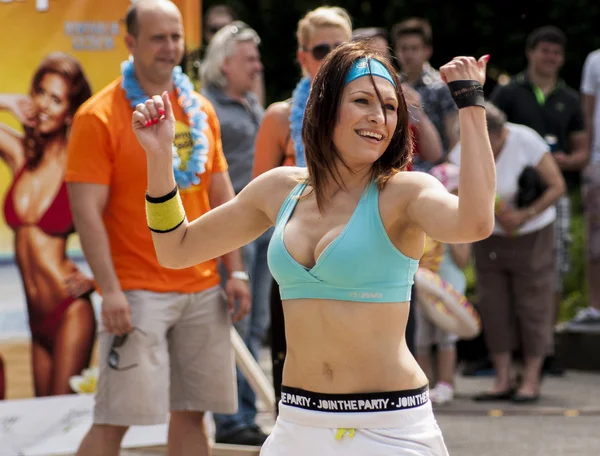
x: 186, y: 174
x: 299, y: 100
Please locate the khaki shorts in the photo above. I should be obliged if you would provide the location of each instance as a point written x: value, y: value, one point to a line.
x: 591, y: 202
x: 183, y: 360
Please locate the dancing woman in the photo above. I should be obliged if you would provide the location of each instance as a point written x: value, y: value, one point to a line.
x: 349, y: 231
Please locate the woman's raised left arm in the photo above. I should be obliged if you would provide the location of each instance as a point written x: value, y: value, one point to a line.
x: 470, y: 216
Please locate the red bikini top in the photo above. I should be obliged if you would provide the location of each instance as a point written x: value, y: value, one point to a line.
x: 56, y: 221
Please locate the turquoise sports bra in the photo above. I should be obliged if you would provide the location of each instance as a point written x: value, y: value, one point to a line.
x: 361, y: 264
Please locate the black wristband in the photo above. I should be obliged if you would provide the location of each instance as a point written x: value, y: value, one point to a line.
x: 162, y: 199
x: 467, y: 93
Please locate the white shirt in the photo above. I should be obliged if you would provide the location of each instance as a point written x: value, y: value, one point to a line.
x: 590, y: 85
x: 523, y: 147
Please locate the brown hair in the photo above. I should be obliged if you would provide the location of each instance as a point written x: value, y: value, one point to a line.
x: 68, y: 68
x: 546, y: 34
x: 413, y: 26
x: 321, y: 116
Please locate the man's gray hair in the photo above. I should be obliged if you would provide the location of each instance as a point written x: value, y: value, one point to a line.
x: 221, y: 46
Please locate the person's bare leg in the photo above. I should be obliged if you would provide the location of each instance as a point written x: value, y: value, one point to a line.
x: 73, y: 345
x: 41, y: 366
x: 530, y: 385
x: 187, y: 434
x: 102, y: 440
x: 502, y: 365
x: 446, y: 364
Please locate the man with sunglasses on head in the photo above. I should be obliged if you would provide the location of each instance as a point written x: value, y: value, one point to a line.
x: 229, y: 70
x: 165, y: 344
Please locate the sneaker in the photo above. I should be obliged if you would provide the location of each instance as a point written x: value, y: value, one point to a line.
x: 443, y: 393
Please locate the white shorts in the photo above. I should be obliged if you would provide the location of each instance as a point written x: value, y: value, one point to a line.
x: 361, y: 425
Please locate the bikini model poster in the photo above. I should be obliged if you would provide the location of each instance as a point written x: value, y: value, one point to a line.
x: 48, y: 307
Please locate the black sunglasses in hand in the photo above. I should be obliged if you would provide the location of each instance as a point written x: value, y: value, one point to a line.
x: 113, y: 354
x: 320, y: 51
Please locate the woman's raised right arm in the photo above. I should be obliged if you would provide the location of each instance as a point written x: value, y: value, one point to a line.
x: 221, y: 230
x: 178, y: 243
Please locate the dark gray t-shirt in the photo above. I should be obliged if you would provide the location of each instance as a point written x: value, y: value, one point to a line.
x: 239, y: 125
x: 437, y: 102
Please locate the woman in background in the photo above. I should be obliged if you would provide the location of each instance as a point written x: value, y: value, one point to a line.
x: 36, y: 207
x: 515, y: 265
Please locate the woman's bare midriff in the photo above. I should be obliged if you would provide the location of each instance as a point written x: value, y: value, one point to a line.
x: 44, y: 268
x: 343, y: 347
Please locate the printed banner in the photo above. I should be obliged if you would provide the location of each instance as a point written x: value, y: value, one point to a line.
x: 56, y: 426
x: 90, y: 34
x: 55, y: 55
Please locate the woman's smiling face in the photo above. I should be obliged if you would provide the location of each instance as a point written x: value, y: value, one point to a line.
x: 365, y: 125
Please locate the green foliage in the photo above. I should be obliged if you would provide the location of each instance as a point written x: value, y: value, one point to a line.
x: 471, y: 283
x: 575, y: 293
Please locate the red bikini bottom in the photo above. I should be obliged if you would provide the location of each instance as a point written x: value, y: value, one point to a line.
x: 44, y: 331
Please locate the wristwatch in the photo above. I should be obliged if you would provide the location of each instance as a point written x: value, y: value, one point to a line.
x: 240, y: 275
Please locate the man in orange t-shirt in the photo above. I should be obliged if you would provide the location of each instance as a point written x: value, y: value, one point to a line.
x: 165, y: 345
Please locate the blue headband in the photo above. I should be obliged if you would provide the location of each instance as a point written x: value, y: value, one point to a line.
x: 360, y: 68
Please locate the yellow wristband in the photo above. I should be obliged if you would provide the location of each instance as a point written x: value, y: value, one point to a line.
x: 165, y: 213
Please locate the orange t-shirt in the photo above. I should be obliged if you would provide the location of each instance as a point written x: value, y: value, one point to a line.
x: 103, y: 150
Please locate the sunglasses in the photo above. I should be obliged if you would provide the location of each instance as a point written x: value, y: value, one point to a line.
x: 320, y: 51
x: 234, y: 29
x: 113, y: 354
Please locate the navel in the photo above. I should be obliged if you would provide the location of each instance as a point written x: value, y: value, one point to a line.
x: 327, y: 371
